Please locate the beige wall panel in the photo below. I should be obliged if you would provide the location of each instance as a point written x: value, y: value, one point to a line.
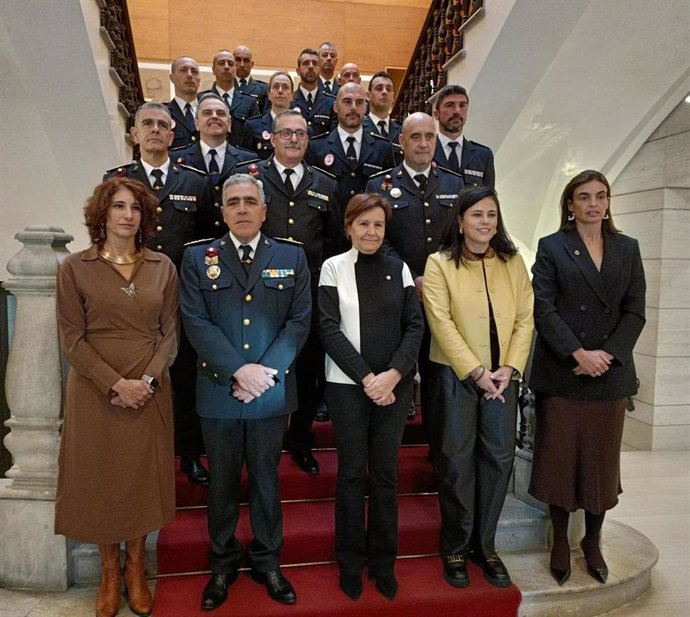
x: 277, y: 30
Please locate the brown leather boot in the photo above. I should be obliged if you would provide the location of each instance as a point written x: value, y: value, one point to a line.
x: 138, y: 594
x: 108, y: 600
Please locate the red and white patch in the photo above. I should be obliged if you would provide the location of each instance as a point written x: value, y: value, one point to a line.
x: 266, y: 135
x: 328, y: 160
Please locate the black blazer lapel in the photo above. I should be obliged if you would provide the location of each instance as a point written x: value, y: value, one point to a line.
x: 195, y: 158
x: 576, y: 250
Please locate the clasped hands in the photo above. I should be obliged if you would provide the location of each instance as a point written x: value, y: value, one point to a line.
x: 379, y: 388
x: 494, y: 383
x: 252, y: 380
x: 131, y: 393
x: 594, y: 362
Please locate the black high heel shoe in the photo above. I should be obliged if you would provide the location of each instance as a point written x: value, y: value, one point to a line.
x: 560, y: 558
x: 596, y: 566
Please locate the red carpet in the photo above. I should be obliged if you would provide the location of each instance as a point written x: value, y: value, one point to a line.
x: 308, y: 520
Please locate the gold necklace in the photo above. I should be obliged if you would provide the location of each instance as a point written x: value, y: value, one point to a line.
x: 120, y: 261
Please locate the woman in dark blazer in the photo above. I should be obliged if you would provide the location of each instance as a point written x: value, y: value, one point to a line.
x: 589, y: 290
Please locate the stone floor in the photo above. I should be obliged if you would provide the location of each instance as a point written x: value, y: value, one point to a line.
x: 656, y: 502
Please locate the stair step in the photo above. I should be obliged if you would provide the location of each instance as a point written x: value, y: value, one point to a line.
x: 422, y: 591
x: 309, y: 532
x: 415, y: 476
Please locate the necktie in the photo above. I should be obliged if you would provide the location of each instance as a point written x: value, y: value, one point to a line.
x: 158, y: 179
x: 243, y: 82
x: 351, y: 153
x: 327, y: 87
x: 246, y: 259
x: 421, y: 180
x: 382, y: 128
x: 453, y: 162
x: 288, y: 182
x: 227, y: 99
x: 310, y: 100
x: 189, y: 117
x: 213, y: 168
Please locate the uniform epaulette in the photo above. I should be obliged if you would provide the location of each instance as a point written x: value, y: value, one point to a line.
x: 203, y: 241
x: 448, y: 171
x: 121, y: 167
x: 333, y: 96
x: 320, y: 136
x: 255, y: 117
x: 381, y: 173
x: 203, y: 173
x: 375, y: 134
x: 476, y: 143
x: 323, y: 171
x: 247, y: 151
x: 179, y: 148
x: 289, y: 241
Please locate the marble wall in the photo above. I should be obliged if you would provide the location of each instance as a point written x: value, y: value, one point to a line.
x: 651, y: 202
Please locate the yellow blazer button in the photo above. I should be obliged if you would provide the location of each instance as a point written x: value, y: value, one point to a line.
x: 246, y: 322
x: 245, y: 346
x: 248, y: 297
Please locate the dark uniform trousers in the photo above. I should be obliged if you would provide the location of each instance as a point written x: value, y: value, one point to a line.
x: 185, y: 202
x: 413, y: 233
x: 212, y: 224
x: 476, y: 166
x: 234, y: 318
x: 310, y: 216
x: 326, y: 152
x: 473, y: 445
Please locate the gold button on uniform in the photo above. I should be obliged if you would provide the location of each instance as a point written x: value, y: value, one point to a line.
x: 159, y: 228
x: 159, y: 209
x: 292, y: 204
x: 280, y: 286
x: 291, y: 221
x: 214, y: 286
x: 245, y: 346
x: 428, y: 221
x: 246, y: 322
x: 159, y: 247
x: 248, y: 297
x: 203, y: 364
x: 429, y: 240
x: 427, y: 204
x: 217, y: 223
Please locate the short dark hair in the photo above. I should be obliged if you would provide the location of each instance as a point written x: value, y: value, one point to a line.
x: 449, y: 91
x: 205, y: 96
x: 384, y: 74
x: 307, y: 50
x: 363, y: 202
x: 97, y: 206
x: 588, y: 175
x: 285, y: 114
x: 452, y: 241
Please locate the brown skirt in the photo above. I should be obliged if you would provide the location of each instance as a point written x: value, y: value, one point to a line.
x: 577, y: 453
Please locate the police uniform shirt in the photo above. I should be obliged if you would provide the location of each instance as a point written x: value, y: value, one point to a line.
x: 221, y: 93
x: 182, y: 104
x: 220, y: 154
x: 344, y: 136
x: 308, y: 93
x: 296, y: 175
x: 412, y: 173
x: 444, y: 141
x: 253, y: 243
x: 149, y: 168
x: 376, y: 120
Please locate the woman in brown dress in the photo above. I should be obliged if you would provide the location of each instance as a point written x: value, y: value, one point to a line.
x: 589, y: 291
x: 118, y: 320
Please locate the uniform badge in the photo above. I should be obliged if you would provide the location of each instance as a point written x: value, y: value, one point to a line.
x: 211, y: 258
x: 387, y: 183
x: 121, y: 172
x: 253, y: 169
x: 213, y: 272
x: 434, y: 164
x: 396, y: 193
x: 328, y: 160
x: 266, y: 135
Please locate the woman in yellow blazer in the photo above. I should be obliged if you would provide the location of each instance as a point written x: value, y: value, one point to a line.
x: 478, y: 302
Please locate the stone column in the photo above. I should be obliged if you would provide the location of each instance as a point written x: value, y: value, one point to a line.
x: 32, y: 556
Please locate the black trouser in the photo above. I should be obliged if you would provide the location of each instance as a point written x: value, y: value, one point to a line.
x: 231, y: 443
x: 473, y: 446
x: 188, y: 441
x: 368, y: 438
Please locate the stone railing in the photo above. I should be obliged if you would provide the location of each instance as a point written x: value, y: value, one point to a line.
x: 439, y: 40
x: 116, y: 32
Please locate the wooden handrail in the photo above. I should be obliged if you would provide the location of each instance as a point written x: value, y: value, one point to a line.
x: 439, y: 40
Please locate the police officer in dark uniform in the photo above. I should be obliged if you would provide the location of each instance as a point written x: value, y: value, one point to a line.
x: 381, y: 99
x: 316, y: 106
x: 328, y: 61
x: 302, y: 209
x: 348, y: 152
x: 244, y: 82
x: 185, y: 197
x: 184, y: 75
x: 422, y: 195
x: 241, y: 106
x: 259, y: 130
x: 214, y: 154
x: 473, y: 161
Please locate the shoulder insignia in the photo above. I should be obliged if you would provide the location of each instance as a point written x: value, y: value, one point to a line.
x: 319, y: 136
x: 120, y: 170
x: 377, y: 136
x: 475, y: 143
x: 445, y: 170
x: 203, y: 173
x: 327, y: 94
x: 198, y: 242
x: 321, y: 171
x: 381, y: 173
x: 289, y: 241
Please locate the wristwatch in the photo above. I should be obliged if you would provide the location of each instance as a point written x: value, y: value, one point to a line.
x: 152, y: 381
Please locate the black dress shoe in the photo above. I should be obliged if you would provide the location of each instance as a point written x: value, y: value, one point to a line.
x: 216, y: 590
x: 386, y: 585
x: 321, y: 414
x: 305, y: 461
x: 412, y: 411
x: 351, y: 584
x: 455, y: 571
x: 596, y: 566
x: 194, y: 470
x: 494, y: 570
x: 278, y: 586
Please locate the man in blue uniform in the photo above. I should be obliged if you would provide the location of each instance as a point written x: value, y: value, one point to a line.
x: 213, y: 154
x: 328, y: 60
x: 241, y: 106
x: 244, y: 63
x: 348, y: 152
x: 381, y: 99
x: 302, y: 209
x: 184, y: 75
x: 246, y: 305
x: 315, y: 105
x: 473, y: 161
x: 186, y: 198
